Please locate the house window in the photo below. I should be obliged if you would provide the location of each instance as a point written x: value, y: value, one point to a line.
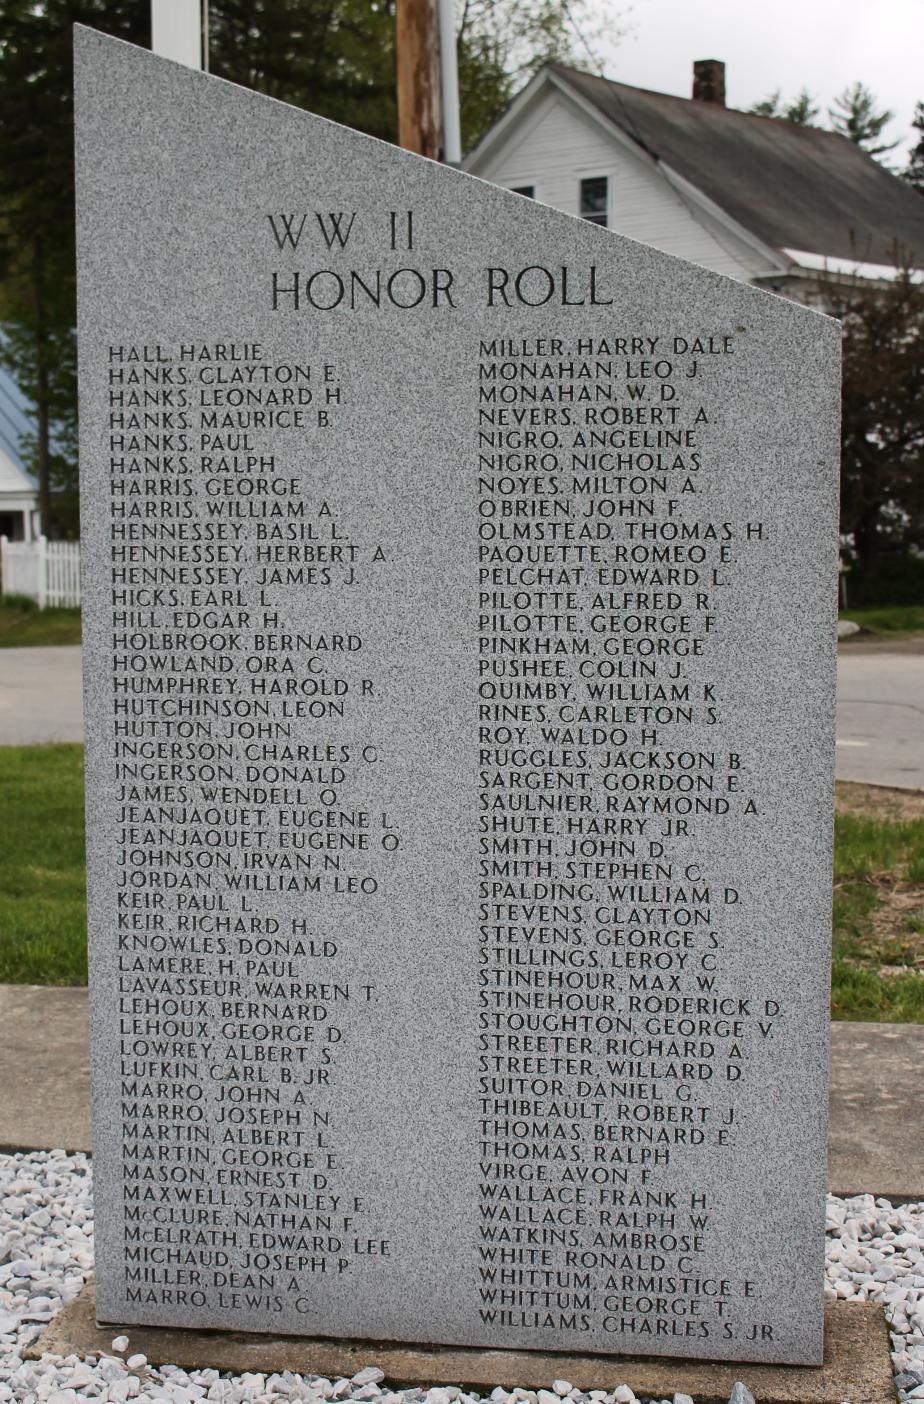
x: 594, y: 200
x: 528, y: 190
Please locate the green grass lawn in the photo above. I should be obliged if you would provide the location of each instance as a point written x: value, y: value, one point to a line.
x: 43, y: 908
x: 23, y: 624
x: 891, y: 622
x: 878, y: 969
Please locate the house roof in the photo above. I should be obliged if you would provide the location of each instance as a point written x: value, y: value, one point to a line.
x: 15, y: 417
x: 793, y: 187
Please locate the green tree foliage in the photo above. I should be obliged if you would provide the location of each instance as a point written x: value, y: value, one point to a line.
x: 914, y: 171
x: 337, y: 57
x: 37, y: 221
x: 502, y: 43
x: 856, y: 115
x: 800, y: 110
x: 333, y: 57
x: 769, y: 106
x: 882, y: 437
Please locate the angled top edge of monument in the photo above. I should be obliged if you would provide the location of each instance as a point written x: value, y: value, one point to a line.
x: 89, y: 43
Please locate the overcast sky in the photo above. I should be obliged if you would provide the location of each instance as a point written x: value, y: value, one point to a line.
x: 788, y: 44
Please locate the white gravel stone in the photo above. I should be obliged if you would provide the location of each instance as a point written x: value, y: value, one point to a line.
x: 875, y: 1252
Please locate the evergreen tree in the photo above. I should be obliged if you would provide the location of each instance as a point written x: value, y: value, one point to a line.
x: 882, y: 430
x: 855, y: 115
x: 914, y: 171
x: 37, y: 284
x: 800, y: 110
x: 769, y: 106
x: 333, y: 57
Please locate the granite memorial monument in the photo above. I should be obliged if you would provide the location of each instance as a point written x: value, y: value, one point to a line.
x: 459, y: 649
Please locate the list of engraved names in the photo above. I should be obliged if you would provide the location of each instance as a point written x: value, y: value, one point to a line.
x: 608, y: 1045
x: 235, y: 796
x: 611, y: 1045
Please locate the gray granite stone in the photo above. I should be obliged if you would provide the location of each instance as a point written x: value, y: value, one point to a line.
x: 459, y: 652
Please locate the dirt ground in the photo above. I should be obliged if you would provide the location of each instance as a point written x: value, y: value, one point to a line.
x: 894, y: 919
x: 877, y: 802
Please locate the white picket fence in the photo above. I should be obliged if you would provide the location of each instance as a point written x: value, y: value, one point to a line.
x: 46, y: 571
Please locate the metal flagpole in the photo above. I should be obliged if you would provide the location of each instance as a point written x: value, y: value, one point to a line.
x: 449, y: 76
x: 177, y: 31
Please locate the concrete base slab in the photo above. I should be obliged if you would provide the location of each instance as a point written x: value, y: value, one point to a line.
x: 857, y: 1368
x: 44, y: 1068
x: 875, y: 1145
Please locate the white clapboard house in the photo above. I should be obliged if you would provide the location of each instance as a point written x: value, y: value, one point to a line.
x: 46, y: 571
x: 18, y: 500
x: 756, y: 198
x: 19, y: 508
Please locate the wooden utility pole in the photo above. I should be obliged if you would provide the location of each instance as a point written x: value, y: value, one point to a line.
x: 420, y: 115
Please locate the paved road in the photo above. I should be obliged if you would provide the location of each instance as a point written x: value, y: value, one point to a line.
x: 40, y: 695
x: 880, y: 715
